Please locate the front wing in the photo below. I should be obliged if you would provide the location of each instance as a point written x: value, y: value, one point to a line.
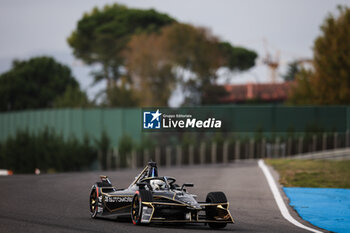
x: 158, y: 212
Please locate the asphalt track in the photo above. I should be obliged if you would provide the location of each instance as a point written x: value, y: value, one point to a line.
x: 59, y: 202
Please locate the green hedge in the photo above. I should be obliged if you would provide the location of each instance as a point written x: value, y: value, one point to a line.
x: 47, y: 151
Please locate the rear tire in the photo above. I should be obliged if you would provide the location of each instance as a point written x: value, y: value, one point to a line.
x: 215, y: 197
x: 93, y: 202
x: 136, y: 205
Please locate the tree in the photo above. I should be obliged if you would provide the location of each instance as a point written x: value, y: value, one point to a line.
x: 302, y: 92
x: 150, y: 69
x: 101, y: 36
x: 212, y: 94
x: 121, y: 96
x: 237, y: 58
x: 181, y: 54
x: 152, y: 51
x: 292, y: 70
x: 34, y: 83
x: 198, y: 57
x: 73, y: 97
x: 330, y: 81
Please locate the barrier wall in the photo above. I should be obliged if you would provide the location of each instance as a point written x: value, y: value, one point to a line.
x: 119, y: 121
x: 74, y: 122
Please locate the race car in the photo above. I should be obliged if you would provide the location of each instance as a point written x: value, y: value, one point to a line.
x: 158, y: 199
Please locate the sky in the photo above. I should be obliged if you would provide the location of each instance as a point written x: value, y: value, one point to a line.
x: 40, y: 27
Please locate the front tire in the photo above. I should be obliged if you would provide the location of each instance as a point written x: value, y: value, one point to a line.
x: 211, y: 212
x: 93, y: 202
x: 136, y: 205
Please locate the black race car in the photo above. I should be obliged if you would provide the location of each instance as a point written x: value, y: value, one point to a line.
x: 158, y: 199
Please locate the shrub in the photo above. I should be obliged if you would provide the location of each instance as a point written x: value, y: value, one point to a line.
x: 47, y: 151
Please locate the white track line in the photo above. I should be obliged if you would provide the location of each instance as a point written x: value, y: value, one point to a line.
x: 280, y: 203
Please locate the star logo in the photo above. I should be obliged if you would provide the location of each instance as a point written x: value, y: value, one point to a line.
x: 156, y: 115
x: 151, y: 120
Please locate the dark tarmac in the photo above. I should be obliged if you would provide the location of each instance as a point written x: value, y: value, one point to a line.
x: 60, y: 202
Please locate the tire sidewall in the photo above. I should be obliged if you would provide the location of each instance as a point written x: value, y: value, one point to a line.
x: 137, y: 197
x: 210, y: 212
x: 94, y: 213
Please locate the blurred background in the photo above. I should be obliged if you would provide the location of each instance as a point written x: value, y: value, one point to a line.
x: 75, y: 75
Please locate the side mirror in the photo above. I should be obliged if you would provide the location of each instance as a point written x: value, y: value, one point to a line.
x: 186, y: 185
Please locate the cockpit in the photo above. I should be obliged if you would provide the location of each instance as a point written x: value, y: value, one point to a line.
x: 150, y: 179
x: 157, y: 185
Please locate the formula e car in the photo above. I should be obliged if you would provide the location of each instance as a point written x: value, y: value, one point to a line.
x: 158, y: 199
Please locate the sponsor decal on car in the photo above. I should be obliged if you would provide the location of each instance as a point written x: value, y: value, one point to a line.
x: 118, y: 199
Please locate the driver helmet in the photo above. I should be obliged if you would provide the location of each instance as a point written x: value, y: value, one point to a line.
x: 157, y: 184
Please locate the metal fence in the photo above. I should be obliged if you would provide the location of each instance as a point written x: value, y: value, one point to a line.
x: 75, y: 122
x: 117, y: 122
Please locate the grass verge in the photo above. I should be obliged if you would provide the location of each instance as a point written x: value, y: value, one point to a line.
x: 312, y: 173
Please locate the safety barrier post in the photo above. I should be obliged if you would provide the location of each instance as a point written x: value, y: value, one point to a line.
x: 191, y: 155
x: 157, y: 155
x: 324, y: 141
x: 277, y: 147
x: 335, y: 143
x: 246, y: 150
x: 237, y: 150
x: 225, y: 152
x: 178, y: 155
x: 213, y: 152
x: 263, y: 148
x: 289, y: 146
x: 314, y: 143
x: 202, y: 153
x: 251, y: 148
x: 300, y: 145
x: 168, y: 156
